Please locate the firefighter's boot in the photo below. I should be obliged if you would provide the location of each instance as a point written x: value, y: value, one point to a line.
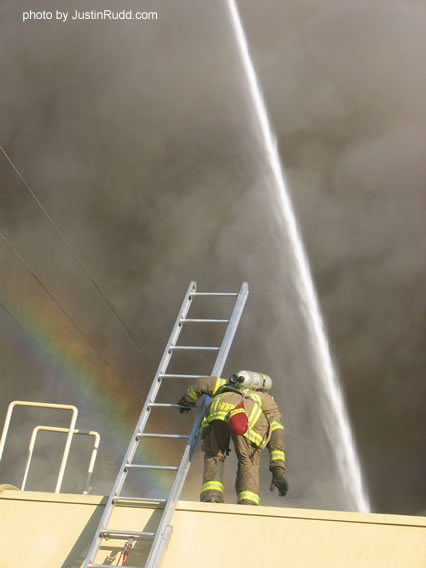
x: 247, y: 482
x: 212, y: 489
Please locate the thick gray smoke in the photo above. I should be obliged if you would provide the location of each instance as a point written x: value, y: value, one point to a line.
x: 345, y: 88
x: 138, y: 139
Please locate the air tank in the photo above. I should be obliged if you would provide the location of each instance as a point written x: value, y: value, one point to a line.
x: 254, y: 381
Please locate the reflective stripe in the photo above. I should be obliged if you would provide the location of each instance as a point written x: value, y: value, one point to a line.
x: 255, y: 414
x: 214, y: 405
x: 248, y: 496
x: 255, y: 397
x: 254, y: 437
x: 219, y: 415
x: 210, y: 418
x: 219, y: 383
x: 212, y: 486
x: 277, y: 455
x: 215, y: 413
x: 192, y: 394
x: 236, y: 411
x: 276, y: 426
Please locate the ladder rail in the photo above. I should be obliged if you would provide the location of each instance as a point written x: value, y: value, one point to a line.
x: 131, y: 450
x: 164, y: 528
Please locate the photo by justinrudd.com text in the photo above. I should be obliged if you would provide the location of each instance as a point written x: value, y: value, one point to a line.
x: 88, y: 15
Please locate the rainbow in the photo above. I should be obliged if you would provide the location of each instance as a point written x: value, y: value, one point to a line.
x: 88, y: 377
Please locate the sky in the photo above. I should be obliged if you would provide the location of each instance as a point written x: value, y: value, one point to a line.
x: 139, y: 141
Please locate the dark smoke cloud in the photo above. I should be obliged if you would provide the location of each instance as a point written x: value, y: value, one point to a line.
x: 141, y: 143
x: 345, y: 86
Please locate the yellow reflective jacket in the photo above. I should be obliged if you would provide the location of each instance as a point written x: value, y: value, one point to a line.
x: 264, y: 429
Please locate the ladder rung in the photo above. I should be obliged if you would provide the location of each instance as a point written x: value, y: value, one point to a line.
x: 139, y: 535
x: 124, y: 499
x: 195, y: 347
x: 153, y: 435
x: 165, y: 404
x: 175, y: 376
x: 214, y: 293
x: 202, y: 320
x: 143, y: 466
x: 91, y: 565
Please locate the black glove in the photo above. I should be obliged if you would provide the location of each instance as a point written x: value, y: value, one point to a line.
x: 185, y: 406
x: 279, y: 481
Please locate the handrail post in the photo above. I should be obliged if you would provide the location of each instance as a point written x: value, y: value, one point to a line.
x: 74, y: 411
x: 93, y: 455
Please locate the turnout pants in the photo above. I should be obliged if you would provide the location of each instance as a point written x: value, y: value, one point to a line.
x: 215, y: 445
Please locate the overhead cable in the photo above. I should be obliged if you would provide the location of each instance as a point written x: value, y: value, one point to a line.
x: 70, y: 248
x: 9, y: 313
x: 52, y: 297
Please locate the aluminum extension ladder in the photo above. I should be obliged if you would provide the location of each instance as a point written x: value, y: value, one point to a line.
x: 160, y: 537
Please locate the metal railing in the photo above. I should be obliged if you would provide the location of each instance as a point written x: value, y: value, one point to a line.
x: 93, y: 455
x: 71, y: 430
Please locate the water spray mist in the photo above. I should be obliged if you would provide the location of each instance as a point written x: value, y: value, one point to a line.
x: 336, y: 422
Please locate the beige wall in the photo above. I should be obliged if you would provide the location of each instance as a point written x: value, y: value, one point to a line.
x: 44, y: 530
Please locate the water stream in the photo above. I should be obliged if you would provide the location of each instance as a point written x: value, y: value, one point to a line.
x: 335, y: 420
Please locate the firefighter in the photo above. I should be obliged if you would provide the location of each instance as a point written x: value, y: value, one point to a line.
x: 240, y: 409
